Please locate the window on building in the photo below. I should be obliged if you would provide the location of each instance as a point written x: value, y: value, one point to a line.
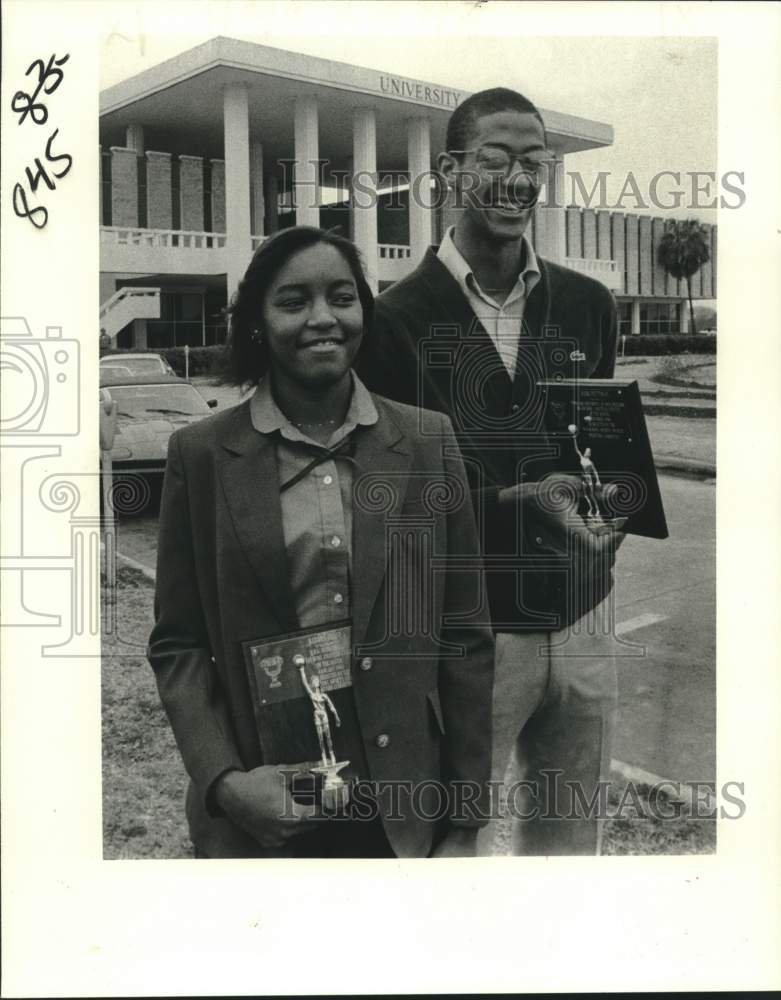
x: 660, y: 317
x: 180, y: 323
x: 216, y: 326
x: 624, y: 310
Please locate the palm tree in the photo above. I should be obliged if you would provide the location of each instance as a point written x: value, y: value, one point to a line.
x: 682, y: 251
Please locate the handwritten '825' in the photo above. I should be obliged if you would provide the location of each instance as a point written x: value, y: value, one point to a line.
x: 50, y: 76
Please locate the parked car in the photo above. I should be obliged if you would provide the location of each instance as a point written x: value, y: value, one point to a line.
x: 136, y: 364
x: 149, y: 410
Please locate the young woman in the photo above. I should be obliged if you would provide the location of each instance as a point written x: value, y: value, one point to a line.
x: 315, y: 516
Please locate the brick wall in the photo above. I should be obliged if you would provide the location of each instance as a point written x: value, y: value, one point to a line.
x: 158, y: 190
x: 124, y: 186
x: 191, y: 193
x: 218, y: 196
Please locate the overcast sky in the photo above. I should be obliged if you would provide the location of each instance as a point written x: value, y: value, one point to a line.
x: 658, y: 93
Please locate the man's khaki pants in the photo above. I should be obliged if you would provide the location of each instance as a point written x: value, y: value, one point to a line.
x: 554, y: 717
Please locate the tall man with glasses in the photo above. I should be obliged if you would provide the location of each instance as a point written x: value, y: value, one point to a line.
x: 471, y: 332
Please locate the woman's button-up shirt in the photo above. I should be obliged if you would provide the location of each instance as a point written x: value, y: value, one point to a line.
x: 317, y: 510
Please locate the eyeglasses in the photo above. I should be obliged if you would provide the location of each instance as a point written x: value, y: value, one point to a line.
x: 495, y: 161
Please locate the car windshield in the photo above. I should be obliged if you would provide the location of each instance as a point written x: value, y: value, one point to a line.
x: 136, y: 366
x: 142, y: 401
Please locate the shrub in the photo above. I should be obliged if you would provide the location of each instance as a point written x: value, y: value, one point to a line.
x: 667, y: 343
x: 203, y: 360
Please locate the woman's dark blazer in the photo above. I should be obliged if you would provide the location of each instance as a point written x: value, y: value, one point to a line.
x: 222, y: 578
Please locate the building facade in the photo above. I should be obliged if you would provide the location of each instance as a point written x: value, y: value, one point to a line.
x: 206, y: 154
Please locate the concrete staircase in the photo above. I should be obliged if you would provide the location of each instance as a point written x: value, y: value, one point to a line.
x: 127, y: 305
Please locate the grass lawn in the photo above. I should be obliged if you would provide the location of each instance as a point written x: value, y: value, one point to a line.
x: 144, y: 781
x: 143, y: 777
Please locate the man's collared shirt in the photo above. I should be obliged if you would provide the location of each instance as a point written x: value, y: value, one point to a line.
x: 502, y: 322
x: 317, y: 510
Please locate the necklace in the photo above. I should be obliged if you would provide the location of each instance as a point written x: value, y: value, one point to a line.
x: 314, y: 423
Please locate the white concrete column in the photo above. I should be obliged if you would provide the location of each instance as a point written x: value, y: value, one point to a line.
x: 420, y: 194
x: 635, y: 315
x: 349, y: 175
x: 238, y: 243
x: 272, y: 204
x: 685, y: 315
x: 363, y: 200
x: 258, y: 199
x: 306, y: 174
x: 551, y: 223
x: 139, y: 333
x: 134, y: 138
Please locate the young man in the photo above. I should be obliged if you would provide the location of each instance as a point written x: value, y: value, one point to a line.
x: 470, y: 332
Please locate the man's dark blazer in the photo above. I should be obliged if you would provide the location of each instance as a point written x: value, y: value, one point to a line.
x: 222, y: 579
x: 427, y: 348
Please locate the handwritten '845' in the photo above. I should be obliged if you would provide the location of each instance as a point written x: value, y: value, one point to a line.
x: 50, y: 76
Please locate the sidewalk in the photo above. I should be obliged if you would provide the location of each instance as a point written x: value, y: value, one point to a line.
x: 683, y: 446
x: 679, y: 399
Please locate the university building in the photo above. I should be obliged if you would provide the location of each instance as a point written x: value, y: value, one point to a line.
x: 206, y: 154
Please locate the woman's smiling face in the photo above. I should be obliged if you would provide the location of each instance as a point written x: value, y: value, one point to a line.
x: 312, y: 318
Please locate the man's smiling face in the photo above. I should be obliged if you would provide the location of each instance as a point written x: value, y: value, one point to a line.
x: 497, y: 178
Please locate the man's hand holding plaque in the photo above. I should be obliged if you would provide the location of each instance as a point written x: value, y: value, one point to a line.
x: 558, y: 501
x: 552, y: 518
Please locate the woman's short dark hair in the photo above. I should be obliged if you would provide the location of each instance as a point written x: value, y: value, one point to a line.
x: 246, y: 357
x: 461, y: 126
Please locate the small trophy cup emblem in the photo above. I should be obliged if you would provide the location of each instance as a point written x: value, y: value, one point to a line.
x: 336, y: 792
x: 272, y: 668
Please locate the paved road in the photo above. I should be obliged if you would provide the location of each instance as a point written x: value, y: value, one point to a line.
x: 665, y: 596
x: 667, y: 698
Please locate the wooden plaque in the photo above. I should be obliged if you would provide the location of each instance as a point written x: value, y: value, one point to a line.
x: 598, y: 429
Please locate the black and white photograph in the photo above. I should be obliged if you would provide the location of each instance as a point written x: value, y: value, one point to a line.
x: 284, y: 238
x: 363, y: 360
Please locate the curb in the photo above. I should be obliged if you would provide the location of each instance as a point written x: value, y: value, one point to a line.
x: 140, y: 567
x: 687, y: 412
x: 687, y: 793
x: 688, y: 467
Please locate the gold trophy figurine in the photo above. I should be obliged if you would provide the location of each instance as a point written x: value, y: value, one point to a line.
x: 589, y: 475
x: 336, y: 792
